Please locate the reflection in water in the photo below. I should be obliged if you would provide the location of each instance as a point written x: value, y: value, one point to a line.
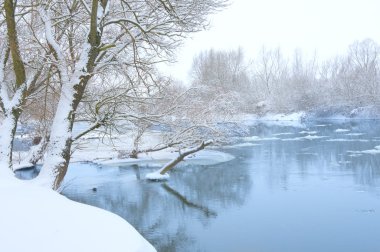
x: 321, y: 156
x: 186, y: 202
x: 293, y: 195
x: 161, y: 211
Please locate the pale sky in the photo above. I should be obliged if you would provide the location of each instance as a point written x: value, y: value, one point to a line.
x: 327, y: 27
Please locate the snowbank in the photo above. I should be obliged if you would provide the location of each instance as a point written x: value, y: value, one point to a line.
x: 344, y: 112
x: 298, y: 116
x: 38, y: 220
x: 297, y: 119
x: 106, y: 152
x: 204, y: 157
x: 23, y: 165
x: 292, y: 119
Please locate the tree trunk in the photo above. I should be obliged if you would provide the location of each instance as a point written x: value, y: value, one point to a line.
x: 18, y: 65
x: 182, y: 156
x: 74, y: 84
x: 8, y: 131
x: 37, y: 152
x: 59, y: 147
x: 134, y: 154
x: 11, y: 108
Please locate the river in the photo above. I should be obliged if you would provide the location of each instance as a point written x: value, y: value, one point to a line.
x: 288, y: 189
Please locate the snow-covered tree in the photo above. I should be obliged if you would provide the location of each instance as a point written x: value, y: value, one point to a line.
x: 225, y: 75
x: 99, y: 36
x: 82, y: 41
x: 22, y: 71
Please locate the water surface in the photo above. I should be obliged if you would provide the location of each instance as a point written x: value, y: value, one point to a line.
x: 287, y: 190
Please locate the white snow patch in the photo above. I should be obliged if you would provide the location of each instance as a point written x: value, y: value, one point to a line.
x: 355, y: 134
x: 308, y: 132
x: 346, y: 140
x: 268, y: 139
x: 284, y: 117
x: 374, y: 151
x: 312, y: 137
x: 240, y: 145
x: 355, y: 154
x: 294, y: 119
x: 341, y: 130
x: 292, y: 139
x: 308, y: 137
x: 156, y: 176
x: 46, y: 221
x: 250, y: 138
x: 106, y: 152
x: 204, y: 157
x: 22, y: 165
x: 24, y: 136
x: 283, y: 134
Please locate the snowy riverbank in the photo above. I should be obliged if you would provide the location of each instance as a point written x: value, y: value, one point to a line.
x: 52, y: 219
x: 115, y: 151
x: 35, y: 219
x: 291, y: 119
x: 96, y: 148
x: 299, y: 118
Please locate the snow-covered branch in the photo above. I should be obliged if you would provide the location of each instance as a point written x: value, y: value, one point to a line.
x: 158, y: 175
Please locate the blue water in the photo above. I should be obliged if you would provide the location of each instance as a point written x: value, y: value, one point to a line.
x: 276, y: 196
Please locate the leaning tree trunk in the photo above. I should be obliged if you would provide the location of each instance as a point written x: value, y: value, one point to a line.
x: 59, y: 147
x: 58, y: 150
x: 74, y: 84
x: 182, y: 156
x: 161, y: 173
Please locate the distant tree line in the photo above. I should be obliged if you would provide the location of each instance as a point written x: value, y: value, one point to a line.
x: 273, y: 83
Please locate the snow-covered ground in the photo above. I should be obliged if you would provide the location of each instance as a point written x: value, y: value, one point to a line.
x: 53, y: 222
x: 204, y: 157
x: 292, y: 119
x: 107, y: 152
x: 297, y: 119
x: 93, y: 147
x: 37, y: 219
x: 47, y: 221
